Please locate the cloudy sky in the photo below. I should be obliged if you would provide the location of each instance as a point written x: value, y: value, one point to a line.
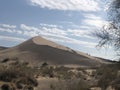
x: 67, y: 22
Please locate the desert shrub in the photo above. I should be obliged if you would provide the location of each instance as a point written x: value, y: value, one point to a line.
x: 28, y: 88
x: 67, y: 75
x: 59, y: 72
x: 63, y: 73
x: 61, y: 68
x: 47, y: 71
x: 116, y: 83
x: 45, y: 64
x: 5, y: 87
x: 21, y: 75
x: 93, y: 73
x: 106, y: 75
x: 8, y: 76
x: 79, y: 75
x: 25, y: 82
x: 5, y: 60
x: 80, y: 69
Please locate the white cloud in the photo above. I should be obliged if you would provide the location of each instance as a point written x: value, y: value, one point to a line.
x: 10, y: 30
x: 95, y: 23
x: 30, y: 33
x: 74, y: 5
x: 43, y: 29
x: 80, y: 33
x: 71, y: 41
x: 6, y: 30
x: 46, y: 29
x: 19, y: 32
x: 7, y: 26
x: 93, y: 20
x: 85, y: 27
x: 9, y: 38
x: 25, y: 27
x: 56, y: 31
x: 52, y: 32
x: 92, y: 16
x: 50, y: 25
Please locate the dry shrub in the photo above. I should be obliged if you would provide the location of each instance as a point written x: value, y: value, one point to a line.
x: 20, y: 74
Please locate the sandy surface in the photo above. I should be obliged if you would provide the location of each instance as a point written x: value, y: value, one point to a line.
x: 38, y: 50
x: 44, y: 83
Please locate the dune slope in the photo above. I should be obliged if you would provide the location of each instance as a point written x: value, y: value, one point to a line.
x: 38, y: 50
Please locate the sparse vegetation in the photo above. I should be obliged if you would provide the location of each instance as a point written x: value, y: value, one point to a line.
x: 17, y: 76
x: 106, y: 75
x: 71, y: 84
x: 5, y: 60
x: 45, y: 64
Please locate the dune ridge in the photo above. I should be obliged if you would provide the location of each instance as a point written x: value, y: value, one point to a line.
x: 38, y: 50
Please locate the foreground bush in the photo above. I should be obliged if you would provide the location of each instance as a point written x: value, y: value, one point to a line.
x: 107, y: 75
x: 19, y: 76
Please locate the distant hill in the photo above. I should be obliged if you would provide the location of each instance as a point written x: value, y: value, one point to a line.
x: 3, y: 48
x: 38, y: 50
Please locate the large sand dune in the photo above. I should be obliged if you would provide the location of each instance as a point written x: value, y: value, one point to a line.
x: 38, y: 50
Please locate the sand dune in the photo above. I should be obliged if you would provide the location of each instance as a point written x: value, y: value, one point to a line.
x: 38, y: 50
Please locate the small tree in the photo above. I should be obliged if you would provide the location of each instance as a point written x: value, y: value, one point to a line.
x: 110, y: 33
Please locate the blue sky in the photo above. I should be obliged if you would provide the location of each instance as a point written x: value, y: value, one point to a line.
x: 67, y: 22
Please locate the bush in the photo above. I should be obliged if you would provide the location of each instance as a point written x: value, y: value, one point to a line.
x: 20, y: 75
x: 106, y: 75
x: 47, y: 71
